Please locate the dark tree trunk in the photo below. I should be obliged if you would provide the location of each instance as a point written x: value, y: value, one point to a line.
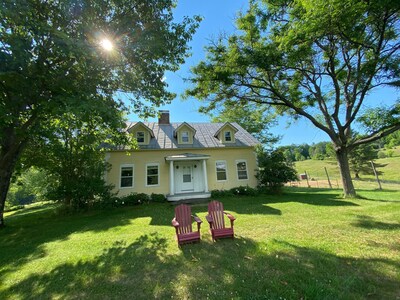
x: 9, y: 155
x: 343, y: 161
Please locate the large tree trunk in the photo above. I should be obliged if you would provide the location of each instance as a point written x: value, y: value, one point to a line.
x: 9, y: 155
x: 343, y: 161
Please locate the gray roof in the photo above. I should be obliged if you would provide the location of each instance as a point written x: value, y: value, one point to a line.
x: 204, y: 137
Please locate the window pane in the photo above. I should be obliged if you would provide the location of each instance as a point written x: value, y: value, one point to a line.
x: 187, y: 178
x: 221, y: 170
x: 152, y: 170
x: 152, y: 180
x: 242, y: 171
x: 185, y: 136
x: 126, y: 171
x: 228, y: 137
x: 221, y: 175
x: 126, y: 176
x: 140, y: 136
x: 152, y: 175
x: 126, y: 182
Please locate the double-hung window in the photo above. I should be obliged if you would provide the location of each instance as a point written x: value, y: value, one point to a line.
x: 152, y: 174
x: 241, y: 167
x: 228, y: 136
x: 140, y: 136
x: 126, y: 178
x: 220, y: 167
x: 185, y: 136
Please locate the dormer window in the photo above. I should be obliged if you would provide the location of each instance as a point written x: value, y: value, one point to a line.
x: 226, y: 133
x: 228, y: 136
x: 140, y: 137
x: 185, y: 136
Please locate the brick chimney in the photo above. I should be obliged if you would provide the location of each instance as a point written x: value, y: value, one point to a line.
x: 163, y: 118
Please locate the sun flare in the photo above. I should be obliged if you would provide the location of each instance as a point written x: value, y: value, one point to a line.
x: 106, y: 44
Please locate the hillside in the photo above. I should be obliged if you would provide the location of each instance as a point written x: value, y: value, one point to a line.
x: 388, y: 169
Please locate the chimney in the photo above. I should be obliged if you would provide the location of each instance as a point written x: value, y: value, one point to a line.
x: 163, y: 118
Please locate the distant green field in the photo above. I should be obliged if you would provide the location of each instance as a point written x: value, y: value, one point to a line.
x: 388, y: 169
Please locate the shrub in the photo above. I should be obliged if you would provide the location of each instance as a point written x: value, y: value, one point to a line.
x: 221, y: 193
x: 132, y: 199
x: 244, y: 191
x: 274, y: 171
x: 157, y: 198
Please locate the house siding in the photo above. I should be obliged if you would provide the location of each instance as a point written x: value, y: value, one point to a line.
x: 141, y: 158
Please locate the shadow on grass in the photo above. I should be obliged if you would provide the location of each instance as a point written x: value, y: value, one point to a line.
x: 237, y: 268
x: 317, y: 197
x: 368, y: 222
x: 35, y: 228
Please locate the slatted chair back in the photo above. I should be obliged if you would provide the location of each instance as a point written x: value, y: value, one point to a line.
x: 216, y: 211
x: 183, y: 215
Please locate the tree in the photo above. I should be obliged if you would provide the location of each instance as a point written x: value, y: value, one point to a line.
x: 52, y: 62
x: 256, y: 119
x: 315, y: 59
x: 360, y: 159
x: 274, y: 170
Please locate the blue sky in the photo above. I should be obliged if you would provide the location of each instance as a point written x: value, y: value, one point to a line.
x: 219, y: 17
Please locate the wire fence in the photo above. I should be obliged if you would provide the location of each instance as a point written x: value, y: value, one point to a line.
x: 322, y: 179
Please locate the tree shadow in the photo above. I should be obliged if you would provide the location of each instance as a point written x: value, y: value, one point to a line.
x: 312, y: 198
x: 368, y: 222
x: 36, y: 228
x: 239, y: 268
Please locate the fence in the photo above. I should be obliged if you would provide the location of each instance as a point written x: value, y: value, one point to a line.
x: 323, y: 179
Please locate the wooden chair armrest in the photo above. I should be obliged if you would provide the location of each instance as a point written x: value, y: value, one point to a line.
x: 197, y: 219
x: 232, y: 218
x: 209, y: 219
x: 175, y: 222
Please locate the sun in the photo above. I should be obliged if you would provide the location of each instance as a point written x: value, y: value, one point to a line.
x: 106, y: 44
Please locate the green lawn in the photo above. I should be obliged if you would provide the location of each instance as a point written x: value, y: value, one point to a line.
x: 388, y: 169
x: 305, y: 244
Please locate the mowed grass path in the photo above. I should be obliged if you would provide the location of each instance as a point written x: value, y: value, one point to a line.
x: 304, y: 244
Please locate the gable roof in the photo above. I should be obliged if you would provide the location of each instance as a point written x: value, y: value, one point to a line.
x: 182, y: 125
x: 138, y: 124
x: 227, y: 124
x: 203, y: 138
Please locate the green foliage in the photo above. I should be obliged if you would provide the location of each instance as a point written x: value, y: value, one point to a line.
x: 243, y: 191
x: 236, y: 191
x: 157, y: 198
x: 274, y: 170
x: 133, y: 199
x: 31, y: 185
x: 360, y: 159
x: 314, y: 59
x: 53, y: 67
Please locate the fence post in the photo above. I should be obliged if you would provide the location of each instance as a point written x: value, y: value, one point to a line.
x: 376, y: 175
x: 329, y: 181
x: 305, y: 172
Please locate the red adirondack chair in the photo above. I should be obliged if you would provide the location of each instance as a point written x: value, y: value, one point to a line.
x: 216, y: 220
x: 183, y: 225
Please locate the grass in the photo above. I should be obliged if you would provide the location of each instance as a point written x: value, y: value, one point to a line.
x: 387, y: 169
x: 304, y: 244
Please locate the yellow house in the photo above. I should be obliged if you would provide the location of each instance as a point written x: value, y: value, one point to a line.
x: 184, y: 160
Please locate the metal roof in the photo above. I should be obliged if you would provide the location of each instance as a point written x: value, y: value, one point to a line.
x: 204, y: 136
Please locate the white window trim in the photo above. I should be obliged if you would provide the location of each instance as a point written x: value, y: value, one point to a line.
x: 226, y: 170
x: 133, y: 176
x: 237, y: 170
x: 158, y: 175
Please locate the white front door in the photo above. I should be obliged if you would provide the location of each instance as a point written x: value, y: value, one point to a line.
x: 186, y: 178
